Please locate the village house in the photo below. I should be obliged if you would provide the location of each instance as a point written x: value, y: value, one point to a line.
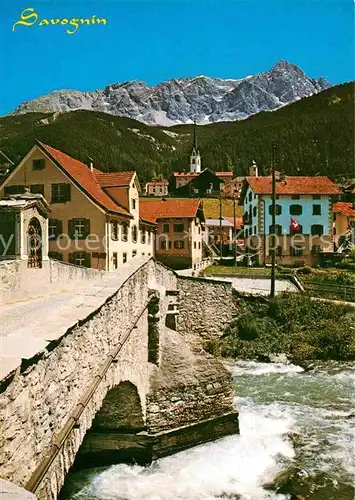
x: 304, y: 221
x: 179, y: 231
x: 233, y: 188
x: 157, y: 188
x: 343, y: 219
x: 95, y: 220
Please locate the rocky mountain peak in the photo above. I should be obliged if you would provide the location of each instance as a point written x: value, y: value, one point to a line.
x: 181, y: 100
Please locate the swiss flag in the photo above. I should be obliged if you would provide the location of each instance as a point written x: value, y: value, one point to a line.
x: 294, y: 225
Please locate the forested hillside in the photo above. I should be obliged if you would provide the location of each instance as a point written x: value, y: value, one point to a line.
x: 313, y: 135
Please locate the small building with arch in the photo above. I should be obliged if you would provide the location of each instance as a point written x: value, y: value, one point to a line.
x: 24, y: 228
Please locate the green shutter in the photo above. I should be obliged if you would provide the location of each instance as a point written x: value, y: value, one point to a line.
x: 68, y: 192
x: 87, y: 260
x: 59, y: 227
x: 86, y: 227
x: 71, y: 228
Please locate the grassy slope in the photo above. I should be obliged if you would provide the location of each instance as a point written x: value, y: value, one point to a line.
x: 290, y: 324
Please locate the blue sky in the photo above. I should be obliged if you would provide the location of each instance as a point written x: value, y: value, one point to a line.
x: 157, y: 40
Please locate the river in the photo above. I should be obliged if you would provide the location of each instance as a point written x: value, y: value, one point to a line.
x: 289, y: 420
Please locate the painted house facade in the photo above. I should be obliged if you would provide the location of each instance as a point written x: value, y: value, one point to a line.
x: 157, y: 188
x: 304, y: 218
x: 343, y: 219
x: 95, y: 220
x: 179, y: 231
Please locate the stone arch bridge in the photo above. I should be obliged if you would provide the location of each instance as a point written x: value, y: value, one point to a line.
x: 122, y: 377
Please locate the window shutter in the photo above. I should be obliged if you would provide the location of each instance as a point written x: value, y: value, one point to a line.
x: 59, y: 227
x: 86, y: 227
x: 87, y: 260
x: 68, y: 192
x: 71, y: 228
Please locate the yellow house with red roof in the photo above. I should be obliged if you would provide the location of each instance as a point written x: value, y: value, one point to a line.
x: 95, y: 220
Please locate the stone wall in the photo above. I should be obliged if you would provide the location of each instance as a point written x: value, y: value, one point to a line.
x: 17, y: 281
x: 47, y: 391
x: 187, y: 388
x: 206, y: 307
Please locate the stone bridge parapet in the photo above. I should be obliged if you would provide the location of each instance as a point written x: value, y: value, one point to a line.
x: 112, y: 349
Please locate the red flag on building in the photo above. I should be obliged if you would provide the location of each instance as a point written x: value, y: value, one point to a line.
x: 294, y: 225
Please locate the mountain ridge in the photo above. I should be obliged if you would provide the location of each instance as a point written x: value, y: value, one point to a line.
x: 314, y: 136
x: 184, y: 100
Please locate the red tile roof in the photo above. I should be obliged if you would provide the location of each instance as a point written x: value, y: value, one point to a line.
x: 157, y: 183
x: 118, y: 179
x: 169, y: 209
x: 83, y: 178
x: 344, y: 208
x: 293, y: 185
x: 238, y: 221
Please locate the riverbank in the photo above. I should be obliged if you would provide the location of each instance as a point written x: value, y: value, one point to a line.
x: 290, y: 327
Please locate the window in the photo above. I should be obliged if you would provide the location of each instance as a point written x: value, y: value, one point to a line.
x: 55, y: 228
x: 149, y: 237
x: 278, y: 209
x: 316, y: 196
x: 165, y: 244
x: 295, y: 196
x: 278, y: 229
x: 9, y: 190
x: 80, y: 259
x: 124, y: 257
x: 134, y: 234
x: 165, y: 228
x: 55, y: 255
x: 316, y: 249
x: 61, y: 193
x: 179, y: 244
x: 296, y: 251
x: 134, y: 253
x: 295, y: 209
x: 317, y: 210
x: 199, y: 230
x: 254, y: 229
x: 38, y: 164
x: 124, y: 232
x: 254, y: 211
x: 195, y: 244
x: 115, y: 260
x: 78, y: 228
x: 317, y: 230
x: 134, y: 204
x: 143, y: 238
x: 178, y: 228
x: 114, y: 230
x: 250, y: 196
x: 199, y: 245
x: 37, y: 189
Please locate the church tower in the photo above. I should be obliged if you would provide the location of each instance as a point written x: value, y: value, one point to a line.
x: 195, y: 158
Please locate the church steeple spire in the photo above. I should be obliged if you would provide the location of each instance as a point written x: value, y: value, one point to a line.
x: 195, y: 158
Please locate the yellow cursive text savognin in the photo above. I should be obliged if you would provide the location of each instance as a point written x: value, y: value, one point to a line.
x: 29, y: 17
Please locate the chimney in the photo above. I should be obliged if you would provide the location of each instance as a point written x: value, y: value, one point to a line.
x: 91, y: 165
x: 253, y: 170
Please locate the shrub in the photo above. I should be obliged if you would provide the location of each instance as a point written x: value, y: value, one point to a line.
x: 304, y: 270
x: 247, y: 327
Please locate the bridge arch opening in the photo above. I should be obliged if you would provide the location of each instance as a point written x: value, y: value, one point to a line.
x: 121, y: 410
